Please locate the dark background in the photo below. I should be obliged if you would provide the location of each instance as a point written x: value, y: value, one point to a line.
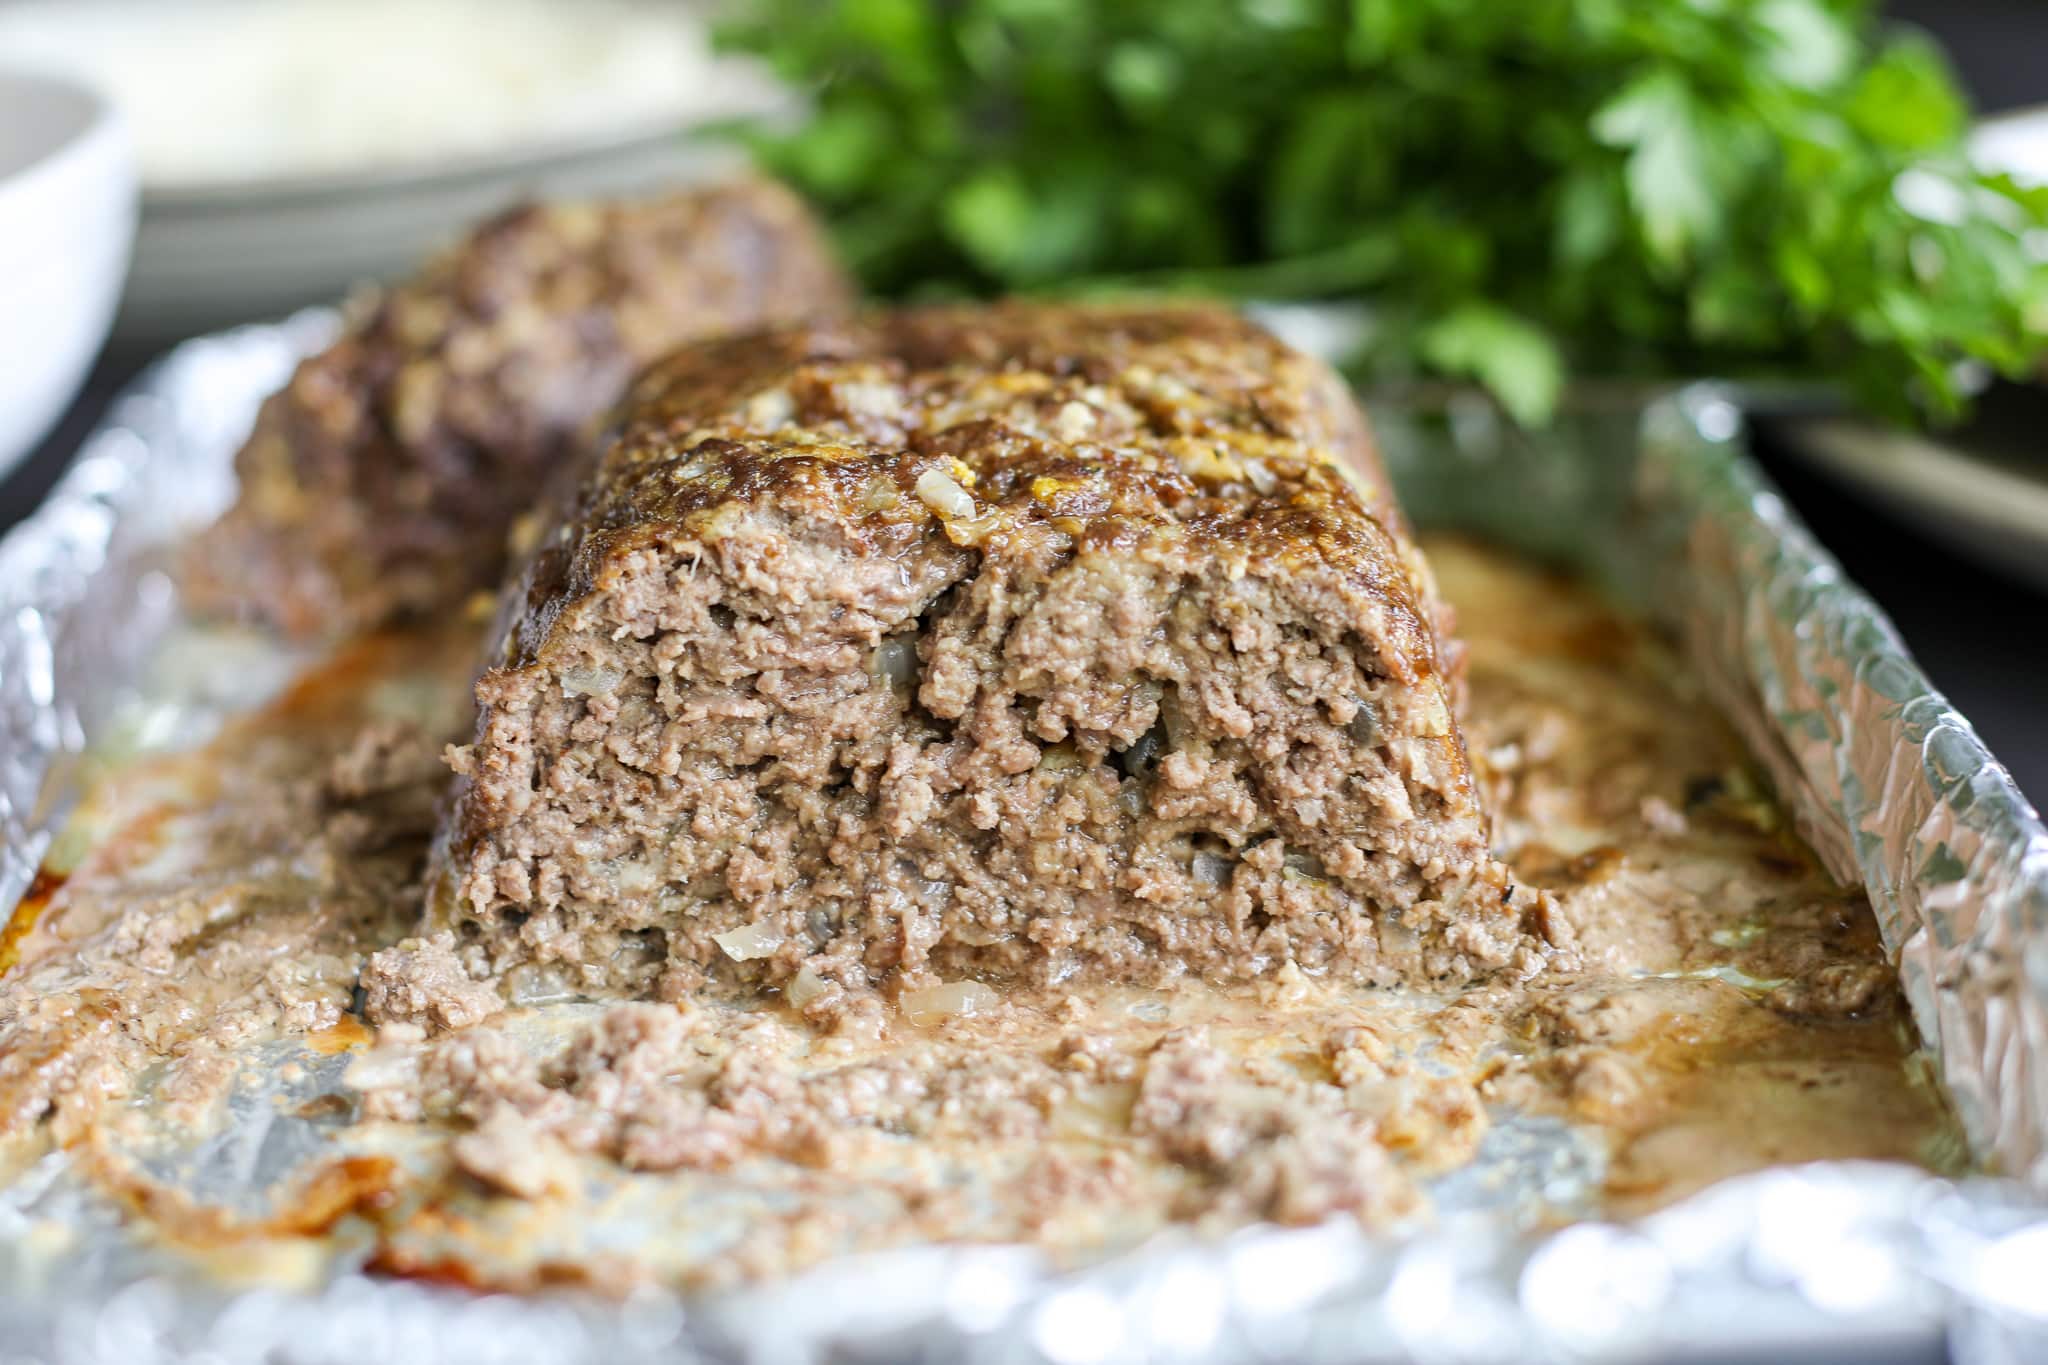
x: 1978, y: 635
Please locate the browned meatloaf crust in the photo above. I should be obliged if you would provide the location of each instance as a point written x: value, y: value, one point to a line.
x: 1015, y: 643
x: 384, y: 476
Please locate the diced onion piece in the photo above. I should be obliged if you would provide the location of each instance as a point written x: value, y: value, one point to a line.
x: 1074, y: 422
x: 895, y: 658
x: 769, y: 410
x: 382, y: 1069
x: 633, y: 876
x: 1058, y: 757
x: 1302, y: 867
x: 1096, y: 1110
x: 1151, y: 1009
x: 1142, y: 756
x: 950, y: 999
x: 869, y: 399
x: 1365, y: 723
x: 1200, y: 460
x: 537, y: 983
x: 943, y: 495
x: 590, y: 682
x: 804, y: 987
x: 1210, y: 869
x: 749, y: 941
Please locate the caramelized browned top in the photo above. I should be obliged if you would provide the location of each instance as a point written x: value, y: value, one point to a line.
x: 1021, y: 428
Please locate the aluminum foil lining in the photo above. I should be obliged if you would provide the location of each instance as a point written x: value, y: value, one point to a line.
x: 1654, y: 499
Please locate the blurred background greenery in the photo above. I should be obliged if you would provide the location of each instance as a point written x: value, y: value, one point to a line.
x: 1516, y: 193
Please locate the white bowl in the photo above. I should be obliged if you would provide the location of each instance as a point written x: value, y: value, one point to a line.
x: 67, y: 220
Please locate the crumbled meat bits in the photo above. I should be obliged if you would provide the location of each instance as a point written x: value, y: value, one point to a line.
x: 1028, y: 643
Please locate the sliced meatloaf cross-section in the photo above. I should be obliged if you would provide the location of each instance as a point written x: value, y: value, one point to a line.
x: 1010, y: 643
x: 382, y: 480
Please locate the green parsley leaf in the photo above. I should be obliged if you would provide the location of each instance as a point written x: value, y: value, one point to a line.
x: 1519, y: 192
x: 1509, y: 355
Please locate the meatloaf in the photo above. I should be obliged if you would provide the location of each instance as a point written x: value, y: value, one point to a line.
x: 1010, y: 643
x: 383, y: 478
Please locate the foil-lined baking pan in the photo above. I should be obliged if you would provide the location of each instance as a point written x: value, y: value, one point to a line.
x: 1652, y: 498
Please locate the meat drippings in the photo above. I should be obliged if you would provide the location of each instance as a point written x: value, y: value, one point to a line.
x: 1734, y: 1011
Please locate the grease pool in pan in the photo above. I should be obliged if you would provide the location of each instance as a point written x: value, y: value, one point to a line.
x: 1735, y: 1012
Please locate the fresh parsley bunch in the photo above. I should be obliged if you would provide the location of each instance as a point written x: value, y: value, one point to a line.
x: 1517, y: 190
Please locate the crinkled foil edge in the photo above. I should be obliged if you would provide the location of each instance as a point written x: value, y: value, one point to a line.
x: 1884, y: 778
x: 1892, y: 785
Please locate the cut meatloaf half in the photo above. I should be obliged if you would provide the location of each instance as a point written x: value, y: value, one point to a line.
x: 384, y: 477
x: 1018, y: 643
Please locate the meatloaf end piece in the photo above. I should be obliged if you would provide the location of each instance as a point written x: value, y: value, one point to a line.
x: 1019, y: 642
x: 384, y: 477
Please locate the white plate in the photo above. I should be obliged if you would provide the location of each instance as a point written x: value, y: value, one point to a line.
x: 207, y: 258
